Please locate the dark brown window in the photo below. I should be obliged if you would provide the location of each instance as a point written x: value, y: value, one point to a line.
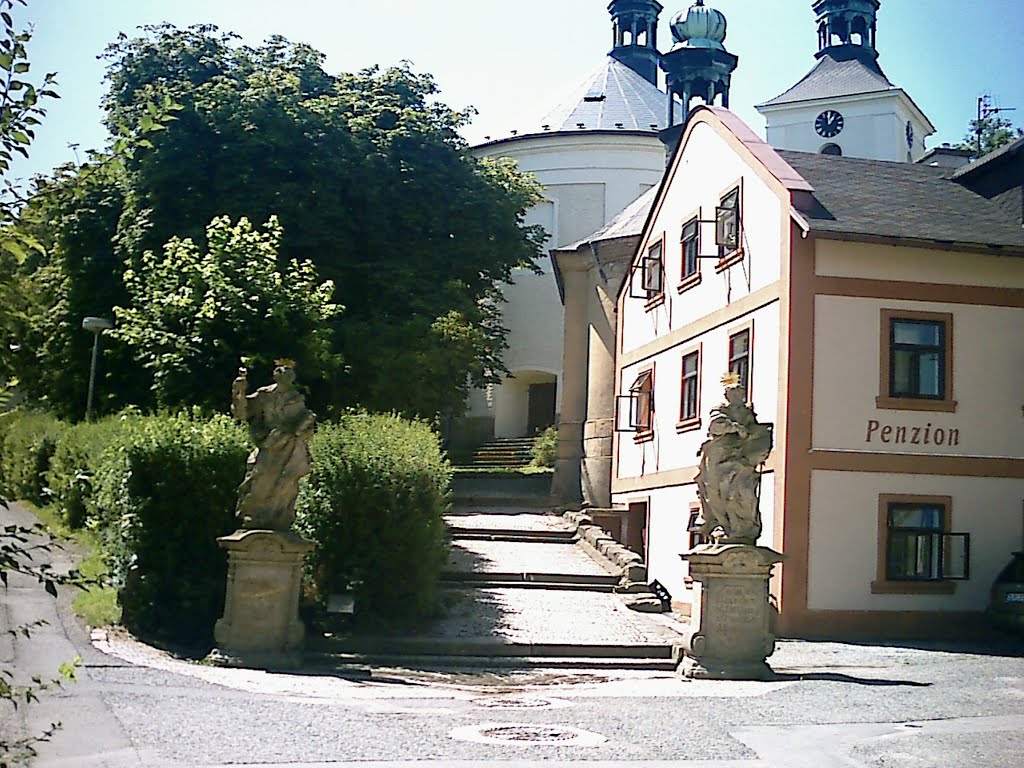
x: 689, y: 408
x: 739, y: 358
x: 642, y: 403
x: 727, y: 223
x: 916, y: 367
x: 690, y: 240
x: 654, y: 271
x: 919, y: 547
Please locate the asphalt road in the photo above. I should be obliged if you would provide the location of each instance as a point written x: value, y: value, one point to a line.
x: 878, y: 706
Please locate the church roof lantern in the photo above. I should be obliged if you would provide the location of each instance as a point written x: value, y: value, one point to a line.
x: 846, y: 24
x: 699, y: 26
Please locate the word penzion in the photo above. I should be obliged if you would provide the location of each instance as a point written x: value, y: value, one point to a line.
x: 903, y: 435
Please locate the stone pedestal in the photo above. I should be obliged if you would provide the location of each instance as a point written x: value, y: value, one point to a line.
x: 729, y: 637
x: 261, y: 623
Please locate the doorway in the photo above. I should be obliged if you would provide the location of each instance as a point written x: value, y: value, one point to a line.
x: 541, y: 400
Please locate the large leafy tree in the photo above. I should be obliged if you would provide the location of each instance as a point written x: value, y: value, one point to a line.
x: 990, y: 133
x: 192, y: 313
x: 369, y: 179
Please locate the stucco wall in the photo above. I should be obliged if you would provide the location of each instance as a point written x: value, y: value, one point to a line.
x: 874, y: 127
x: 988, y: 361
x: 844, y: 537
x: 709, y: 168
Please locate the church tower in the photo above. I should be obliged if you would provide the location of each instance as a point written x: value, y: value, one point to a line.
x: 846, y: 105
x: 698, y: 64
x: 635, y: 36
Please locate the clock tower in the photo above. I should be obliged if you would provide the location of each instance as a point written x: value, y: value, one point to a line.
x: 846, y: 105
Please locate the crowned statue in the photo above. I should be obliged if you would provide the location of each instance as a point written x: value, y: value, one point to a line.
x: 729, y: 478
x: 280, y: 425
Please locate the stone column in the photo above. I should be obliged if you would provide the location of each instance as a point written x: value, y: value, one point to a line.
x: 261, y: 624
x: 565, y: 485
x: 599, y: 430
x: 729, y: 635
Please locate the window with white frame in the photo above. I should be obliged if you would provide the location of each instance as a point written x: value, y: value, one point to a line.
x: 728, y: 235
x: 654, y: 271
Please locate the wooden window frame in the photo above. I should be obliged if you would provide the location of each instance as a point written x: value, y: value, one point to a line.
x: 747, y: 328
x: 688, y: 424
x: 641, y: 432
x: 727, y: 259
x: 689, y: 280
x: 655, y: 297
x: 883, y: 585
x: 885, y: 400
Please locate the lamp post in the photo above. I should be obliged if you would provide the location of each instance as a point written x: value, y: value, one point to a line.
x: 96, y: 326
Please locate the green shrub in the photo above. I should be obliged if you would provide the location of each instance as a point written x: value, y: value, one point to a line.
x: 545, y: 450
x: 29, y: 441
x: 374, y: 506
x: 163, y: 491
x: 72, y: 465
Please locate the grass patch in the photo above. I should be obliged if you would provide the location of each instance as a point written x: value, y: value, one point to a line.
x: 96, y: 606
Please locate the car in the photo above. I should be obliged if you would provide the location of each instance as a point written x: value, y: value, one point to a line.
x: 1006, y: 610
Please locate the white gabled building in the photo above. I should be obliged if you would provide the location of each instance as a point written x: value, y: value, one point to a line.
x: 874, y: 311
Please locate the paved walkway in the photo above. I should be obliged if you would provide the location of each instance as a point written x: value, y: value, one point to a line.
x: 565, y: 613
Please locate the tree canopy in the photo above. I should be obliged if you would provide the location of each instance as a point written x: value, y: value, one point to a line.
x: 370, y: 181
x: 995, y: 132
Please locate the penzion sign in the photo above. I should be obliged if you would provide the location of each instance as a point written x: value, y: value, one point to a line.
x: 910, y: 435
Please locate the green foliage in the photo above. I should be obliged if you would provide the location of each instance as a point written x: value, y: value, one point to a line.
x: 163, y: 492
x: 545, y: 450
x: 29, y: 441
x: 370, y: 180
x: 996, y: 132
x: 191, y: 315
x: 71, y: 468
x: 374, y: 505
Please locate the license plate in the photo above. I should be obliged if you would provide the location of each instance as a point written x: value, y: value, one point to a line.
x: 1013, y: 597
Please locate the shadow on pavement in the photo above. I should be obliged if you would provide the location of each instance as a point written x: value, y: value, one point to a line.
x: 838, y: 677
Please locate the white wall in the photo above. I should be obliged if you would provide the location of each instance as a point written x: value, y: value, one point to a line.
x: 874, y: 126
x: 844, y: 537
x: 588, y: 179
x: 988, y: 361
x: 707, y: 170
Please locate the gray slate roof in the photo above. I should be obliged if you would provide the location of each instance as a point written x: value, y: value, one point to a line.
x: 874, y: 198
x: 843, y: 74
x: 612, y: 94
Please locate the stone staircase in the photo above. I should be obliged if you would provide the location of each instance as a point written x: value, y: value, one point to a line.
x: 522, y: 591
x: 502, y: 452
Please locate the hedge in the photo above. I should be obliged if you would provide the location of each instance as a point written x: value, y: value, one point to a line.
x: 374, y: 505
x: 163, y: 491
x: 29, y: 439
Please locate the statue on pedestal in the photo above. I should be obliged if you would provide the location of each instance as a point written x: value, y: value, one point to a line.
x: 280, y: 425
x: 729, y: 479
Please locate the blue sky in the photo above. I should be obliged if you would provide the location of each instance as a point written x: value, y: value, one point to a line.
x: 514, y: 61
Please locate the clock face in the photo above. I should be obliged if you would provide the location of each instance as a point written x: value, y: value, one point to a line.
x: 829, y: 123
x: 910, y: 135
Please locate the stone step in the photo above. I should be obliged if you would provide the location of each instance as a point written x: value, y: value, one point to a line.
x: 511, y: 579
x: 498, y: 534
x: 358, y: 665
x: 484, y: 648
x: 483, y: 582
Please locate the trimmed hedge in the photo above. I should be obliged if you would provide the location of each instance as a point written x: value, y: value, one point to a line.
x: 29, y: 441
x: 374, y: 505
x: 163, y: 491
x: 78, y: 449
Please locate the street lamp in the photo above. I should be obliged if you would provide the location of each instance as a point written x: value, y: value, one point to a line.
x: 96, y: 326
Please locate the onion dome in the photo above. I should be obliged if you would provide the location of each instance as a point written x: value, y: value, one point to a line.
x: 699, y: 27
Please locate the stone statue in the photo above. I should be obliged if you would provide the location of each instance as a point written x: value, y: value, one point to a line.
x: 280, y: 425
x: 728, y: 481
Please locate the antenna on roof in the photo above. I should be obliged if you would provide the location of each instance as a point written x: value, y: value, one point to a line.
x: 985, y: 111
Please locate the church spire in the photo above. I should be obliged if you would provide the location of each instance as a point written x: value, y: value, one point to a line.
x: 698, y: 64
x: 847, y: 27
x: 635, y: 35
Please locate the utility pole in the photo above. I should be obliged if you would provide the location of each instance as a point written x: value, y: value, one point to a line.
x: 985, y: 111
